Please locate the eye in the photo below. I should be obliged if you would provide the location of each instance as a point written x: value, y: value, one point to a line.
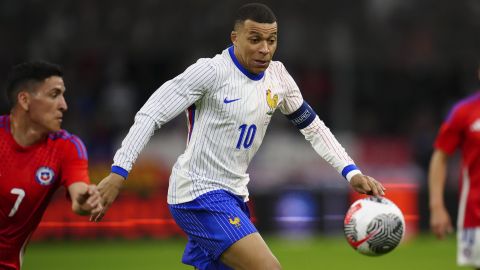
x: 55, y: 93
x: 254, y: 39
x: 272, y: 41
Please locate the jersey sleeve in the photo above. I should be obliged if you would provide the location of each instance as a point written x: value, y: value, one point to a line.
x: 172, y: 98
x: 293, y: 98
x: 75, y: 162
x: 451, y: 130
x: 314, y: 130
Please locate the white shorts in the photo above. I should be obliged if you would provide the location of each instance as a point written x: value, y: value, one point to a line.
x: 468, y: 247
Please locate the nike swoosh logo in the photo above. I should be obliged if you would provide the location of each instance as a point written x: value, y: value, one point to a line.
x: 355, y: 244
x: 226, y: 101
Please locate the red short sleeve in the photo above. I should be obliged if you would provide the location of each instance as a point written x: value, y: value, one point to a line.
x: 451, y: 131
x: 75, y: 162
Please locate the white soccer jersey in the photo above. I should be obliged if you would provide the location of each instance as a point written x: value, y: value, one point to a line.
x: 228, y: 111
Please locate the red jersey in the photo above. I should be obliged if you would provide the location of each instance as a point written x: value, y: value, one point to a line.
x: 28, y: 178
x: 461, y: 130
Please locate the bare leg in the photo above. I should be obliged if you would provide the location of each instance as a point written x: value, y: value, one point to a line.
x: 250, y: 253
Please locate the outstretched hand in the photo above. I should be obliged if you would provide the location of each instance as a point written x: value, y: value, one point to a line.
x: 367, y: 185
x: 109, y: 188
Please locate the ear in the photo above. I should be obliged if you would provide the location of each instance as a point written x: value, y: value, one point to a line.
x: 233, y: 37
x: 23, y: 100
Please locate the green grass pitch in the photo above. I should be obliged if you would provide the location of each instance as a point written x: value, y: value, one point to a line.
x: 423, y: 252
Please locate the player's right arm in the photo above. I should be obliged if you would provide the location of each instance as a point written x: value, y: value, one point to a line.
x: 440, y: 222
x: 172, y: 98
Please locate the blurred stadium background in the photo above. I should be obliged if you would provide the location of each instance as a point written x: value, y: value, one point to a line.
x: 381, y: 74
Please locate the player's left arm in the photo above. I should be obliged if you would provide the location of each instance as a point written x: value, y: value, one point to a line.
x: 323, y: 141
x: 449, y: 138
x: 328, y: 147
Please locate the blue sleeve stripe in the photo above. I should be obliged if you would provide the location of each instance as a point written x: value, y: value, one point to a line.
x: 302, y: 117
x: 120, y: 171
x: 81, y: 150
x: 348, y: 169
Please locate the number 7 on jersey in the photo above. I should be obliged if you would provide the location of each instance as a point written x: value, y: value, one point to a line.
x: 21, y: 194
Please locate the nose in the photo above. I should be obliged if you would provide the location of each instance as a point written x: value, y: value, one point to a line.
x: 63, y: 104
x: 264, y: 48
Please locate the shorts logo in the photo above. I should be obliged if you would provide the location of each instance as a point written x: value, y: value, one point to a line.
x: 45, y: 176
x: 235, y: 221
x: 467, y: 252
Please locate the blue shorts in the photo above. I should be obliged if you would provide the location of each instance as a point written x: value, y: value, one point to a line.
x: 213, y: 222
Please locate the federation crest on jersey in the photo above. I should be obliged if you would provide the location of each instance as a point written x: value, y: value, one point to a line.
x: 272, y: 101
x: 45, y: 176
x: 475, y: 127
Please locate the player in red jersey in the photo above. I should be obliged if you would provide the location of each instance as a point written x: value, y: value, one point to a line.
x: 460, y: 130
x: 37, y: 157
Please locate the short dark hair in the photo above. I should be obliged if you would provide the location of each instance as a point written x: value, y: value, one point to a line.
x: 256, y: 12
x: 25, y: 74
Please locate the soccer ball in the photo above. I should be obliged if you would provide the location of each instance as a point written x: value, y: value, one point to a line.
x: 374, y: 226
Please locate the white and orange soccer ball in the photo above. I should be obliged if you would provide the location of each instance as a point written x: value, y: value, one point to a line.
x: 374, y: 226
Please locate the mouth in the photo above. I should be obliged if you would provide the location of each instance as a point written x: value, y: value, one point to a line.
x: 261, y: 63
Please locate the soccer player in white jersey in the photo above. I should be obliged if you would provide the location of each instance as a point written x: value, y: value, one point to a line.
x: 229, y: 100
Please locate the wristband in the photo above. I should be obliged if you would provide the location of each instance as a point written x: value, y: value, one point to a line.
x: 349, y: 171
x: 120, y: 171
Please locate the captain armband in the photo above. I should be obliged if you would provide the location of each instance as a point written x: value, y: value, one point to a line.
x: 303, y: 116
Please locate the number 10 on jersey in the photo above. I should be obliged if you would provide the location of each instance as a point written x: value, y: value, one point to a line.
x: 247, y: 134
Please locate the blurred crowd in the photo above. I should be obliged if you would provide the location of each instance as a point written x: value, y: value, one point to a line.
x: 370, y: 67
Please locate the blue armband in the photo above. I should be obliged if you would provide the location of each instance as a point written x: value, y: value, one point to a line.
x: 302, y: 117
x: 120, y: 171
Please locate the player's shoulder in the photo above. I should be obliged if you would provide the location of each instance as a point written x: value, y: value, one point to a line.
x: 277, y: 71
x: 65, y: 137
x: 218, y: 59
x: 70, y: 141
x: 468, y: 102
x: 210, y: 64
x: 4, y: 123
x: 277, y: 67
x: 464, y: 106
x: 61, y: 135
x: 218, y: 64
x: 222, y: 60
